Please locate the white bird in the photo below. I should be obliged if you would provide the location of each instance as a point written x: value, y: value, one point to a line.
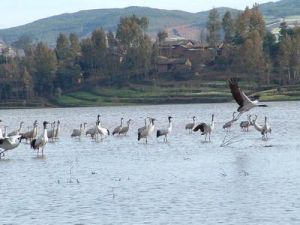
x: 245, y: 103
x: 229, y: 124
x: 16, y: 132
x: 118, y: 128
x: 257, y: 126
x: 9, y: 143
x: 206, y: 129
x: 165, y: 132
x: 125, y: 130
x: 266, y: 129
x: 145, y: 133
x: 32, y: 133
x: 246, y: 124
x: 190, y: 126
x: 41, y: 141
x: 102, y: 130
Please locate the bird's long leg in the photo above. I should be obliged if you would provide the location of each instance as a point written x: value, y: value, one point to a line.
x: 238, y: 116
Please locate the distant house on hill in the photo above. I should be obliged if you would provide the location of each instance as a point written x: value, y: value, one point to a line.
x: 165, y: 65
x: 9, y: 51
x: 198, y: 54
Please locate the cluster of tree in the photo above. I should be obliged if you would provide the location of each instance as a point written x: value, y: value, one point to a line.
x: 128, y: 55
x: 100, y: 58
x: 252, y: 51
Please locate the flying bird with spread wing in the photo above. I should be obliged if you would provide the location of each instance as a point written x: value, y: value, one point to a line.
x: 245, y: 103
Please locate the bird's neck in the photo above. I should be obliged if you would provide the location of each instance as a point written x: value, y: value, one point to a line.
x: 170, y: 125
x: 45, y: 131
x: 151, y: 124
x: 212, y: 124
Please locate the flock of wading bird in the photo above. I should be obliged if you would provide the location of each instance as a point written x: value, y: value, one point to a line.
x: 9, y: 141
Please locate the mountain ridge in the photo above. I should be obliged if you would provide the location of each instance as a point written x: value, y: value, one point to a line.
x: 176, y: 22
x: 85, y: 21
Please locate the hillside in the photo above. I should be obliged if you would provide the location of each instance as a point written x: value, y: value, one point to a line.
x: 177, y: 23
x: 84, y: 22
x: 281, y: 9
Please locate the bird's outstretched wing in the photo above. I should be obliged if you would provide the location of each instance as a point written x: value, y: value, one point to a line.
x: 236, y: 91
x: 200, y: 127
x: 240, y: 97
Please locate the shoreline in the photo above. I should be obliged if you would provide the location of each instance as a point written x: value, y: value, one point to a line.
x: 112, y: 104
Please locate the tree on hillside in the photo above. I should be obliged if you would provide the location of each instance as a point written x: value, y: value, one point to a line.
x: 62, y: 49
x: 162, y: 36
x: 270, y: 44
x: 44, y: 66
x: 68, y: 71
x: 86, y: 59
x: 99, y: 51
x: 242, y: 26
x: 285, y: 31
x: 228, y: 27
x: 248, y: 21
x: 289, y: 57
x: 112, y: 42
x: 130, y: 31
x: 94, y: 52
x: 250, y: 59
x: 257, y: 22
x: 214, y: 28
x: 27, y: 83
x: 74, y: 45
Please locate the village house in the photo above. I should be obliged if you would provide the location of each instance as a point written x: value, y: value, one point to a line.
x: 6, y: 50
x: 165, y: 65
x: 197, y: 53
x: 9, y: 51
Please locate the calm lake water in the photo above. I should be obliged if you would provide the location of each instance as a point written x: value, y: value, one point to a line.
x: 122, y: 181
